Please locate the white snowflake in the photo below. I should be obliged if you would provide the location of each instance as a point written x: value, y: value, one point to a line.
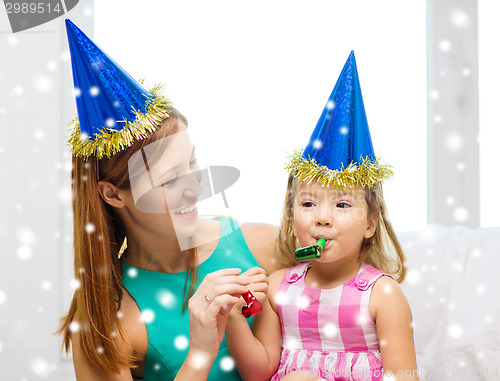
x: 147, y: 316
x: 303, y: 302
x: 445, y: 45
x: 51, y: 65
x: 181, y: 342
x: 459, y: 18
x: 39, y: 134
x: 94, y: 91
x: 199, y: 360
x: 110, y: 123
x: 481, y: 289
x: 454, y: 142
x: 344, y: 130
x: 40, y: 367
x: 330, y: 105
x: 90, y: 228
x: 46, y: 285
x: 74, y: 326
x: 317, y: 144
x: 434, y: 94
x: 455, y: 331
x: 24, y: 253
x: 132, y: 273
x: 74, y: 284
x: 43, y: 84
x: 460, y: 214
x: 17, y: 91
x: 12, y: 40
x: 26, y: 236
x: 330, y: 330
x: 413, y: 277
x: 166, y: 299
x: 281, y: 298
x: 227, y: 364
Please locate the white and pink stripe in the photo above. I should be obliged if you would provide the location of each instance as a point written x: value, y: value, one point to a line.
x: 328, y: 332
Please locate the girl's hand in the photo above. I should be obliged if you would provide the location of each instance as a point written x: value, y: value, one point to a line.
x: 209, y: 309
x: 258, y: 287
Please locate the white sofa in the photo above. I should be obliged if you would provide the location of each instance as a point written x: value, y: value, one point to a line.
x: 453, y: 287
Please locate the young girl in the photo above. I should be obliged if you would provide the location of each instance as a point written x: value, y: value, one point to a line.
x: 156, y: 307
x: 341, y: 316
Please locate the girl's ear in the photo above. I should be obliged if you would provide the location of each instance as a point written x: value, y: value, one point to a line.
x: 372, y: 225
x: 110, y: 194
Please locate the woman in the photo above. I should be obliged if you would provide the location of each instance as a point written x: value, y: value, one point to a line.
x: 158, y: 312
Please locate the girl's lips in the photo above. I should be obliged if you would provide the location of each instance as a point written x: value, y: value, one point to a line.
x: 326, y: 239
x: 188, y: 213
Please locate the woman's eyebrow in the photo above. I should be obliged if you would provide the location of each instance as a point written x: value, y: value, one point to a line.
x: 165, y: 173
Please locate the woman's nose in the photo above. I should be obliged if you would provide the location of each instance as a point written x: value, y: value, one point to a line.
x: 193, y: 188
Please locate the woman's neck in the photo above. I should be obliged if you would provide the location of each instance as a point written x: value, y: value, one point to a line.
x: 164, y: 254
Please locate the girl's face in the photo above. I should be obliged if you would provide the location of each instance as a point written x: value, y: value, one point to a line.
x: 339, y: 216
x: 165, y: 182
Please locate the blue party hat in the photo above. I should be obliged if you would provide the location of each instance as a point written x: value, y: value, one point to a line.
x: 340, y: 151
x: 114, y: 110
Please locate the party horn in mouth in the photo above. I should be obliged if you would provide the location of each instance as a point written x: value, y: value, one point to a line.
x: 253, y: 306
x: 310, y: 252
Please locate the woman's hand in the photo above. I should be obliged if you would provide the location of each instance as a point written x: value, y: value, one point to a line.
x: 209, y: 309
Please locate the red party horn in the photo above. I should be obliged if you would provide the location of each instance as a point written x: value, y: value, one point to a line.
x: 253, y: 306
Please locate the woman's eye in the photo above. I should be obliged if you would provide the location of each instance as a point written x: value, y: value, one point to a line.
x: 192, y: 162
x: 171, y: 182
x: 308, y: 204
x: 343, y: 205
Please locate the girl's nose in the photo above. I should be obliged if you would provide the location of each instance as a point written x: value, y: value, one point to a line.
x: 324, y: 217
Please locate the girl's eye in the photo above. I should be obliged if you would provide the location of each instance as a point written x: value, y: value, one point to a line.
x: 343, y: 205
x: 308, y: 204
x: 192, y: 162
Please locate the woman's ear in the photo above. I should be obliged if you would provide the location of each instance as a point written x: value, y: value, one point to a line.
x: 372, y: 225
x: 110, y: 194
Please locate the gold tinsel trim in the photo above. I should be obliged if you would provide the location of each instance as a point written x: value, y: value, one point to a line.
x: 109, y: 142
x: 355, y: 174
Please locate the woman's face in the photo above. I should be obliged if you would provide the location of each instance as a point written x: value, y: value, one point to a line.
x: 165, y: 181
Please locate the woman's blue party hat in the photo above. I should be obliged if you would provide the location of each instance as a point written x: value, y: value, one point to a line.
x: 340, y: 151
x: 114, y: 110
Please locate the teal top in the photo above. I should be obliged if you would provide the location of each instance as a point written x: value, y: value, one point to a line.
x: 160, y: 297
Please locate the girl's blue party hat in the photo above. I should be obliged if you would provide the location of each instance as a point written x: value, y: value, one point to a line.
x: 340, y: 151
x: 114, y: 110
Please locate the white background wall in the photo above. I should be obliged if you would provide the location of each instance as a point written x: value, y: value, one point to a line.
x: 252, y: 79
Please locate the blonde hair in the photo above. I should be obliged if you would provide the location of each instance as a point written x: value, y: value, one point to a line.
x: 382, y: 251
x: 96, y: 263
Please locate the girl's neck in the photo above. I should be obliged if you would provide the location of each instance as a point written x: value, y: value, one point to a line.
x: 331, y: 275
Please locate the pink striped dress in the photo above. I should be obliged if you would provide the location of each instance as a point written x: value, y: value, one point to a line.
x: 328, y: 332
